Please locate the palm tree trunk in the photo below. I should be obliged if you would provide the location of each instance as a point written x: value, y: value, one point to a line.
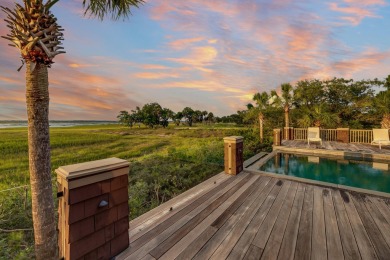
x: 286, y: 118
x: 386, y: 121
x: 37, y: 98
x: 261, y: 118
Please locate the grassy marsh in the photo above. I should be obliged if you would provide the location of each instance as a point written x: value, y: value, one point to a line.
x: 164, y: 163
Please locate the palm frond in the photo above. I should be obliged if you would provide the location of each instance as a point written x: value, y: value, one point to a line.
x: 115, y: 8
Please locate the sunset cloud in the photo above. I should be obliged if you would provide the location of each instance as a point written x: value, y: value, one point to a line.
x: 184, y: 43
x: 211, y: 55
x: 155, y: 75
x: 355, y: 11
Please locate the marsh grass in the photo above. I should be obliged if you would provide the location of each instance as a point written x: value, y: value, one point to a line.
x: 163, y: 164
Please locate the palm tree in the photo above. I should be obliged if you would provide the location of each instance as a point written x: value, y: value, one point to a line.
x: 262, y: 102
x: 35, y: 32
x: 287, y: 98
x: 319, y: 116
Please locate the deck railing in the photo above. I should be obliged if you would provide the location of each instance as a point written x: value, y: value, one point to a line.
x: 360, y: 136
x: 355, y: 135
x: 328, y: 134
x: 300, y: 133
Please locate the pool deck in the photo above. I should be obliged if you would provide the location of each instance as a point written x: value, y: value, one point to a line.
x: 337, y: 146
x: 256, y: 216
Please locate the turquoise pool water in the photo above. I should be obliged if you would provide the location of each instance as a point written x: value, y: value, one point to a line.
x: 360, y: 174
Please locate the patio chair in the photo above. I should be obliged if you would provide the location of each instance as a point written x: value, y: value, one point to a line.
x: 313, y: 135
x: 381, y: 137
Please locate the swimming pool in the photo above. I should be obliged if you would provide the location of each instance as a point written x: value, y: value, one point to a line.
x: 361, y: 174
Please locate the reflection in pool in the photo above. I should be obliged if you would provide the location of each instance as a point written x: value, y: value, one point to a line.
x: 360, y: 174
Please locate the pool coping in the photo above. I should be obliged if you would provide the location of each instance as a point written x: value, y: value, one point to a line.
x: 257, y: 162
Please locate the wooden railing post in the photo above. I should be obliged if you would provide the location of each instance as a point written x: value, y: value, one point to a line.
x: 289, y: 133
x: 343, y: 135
x: 93, y: 209
x: 234, y: 160
x: 277, y: 137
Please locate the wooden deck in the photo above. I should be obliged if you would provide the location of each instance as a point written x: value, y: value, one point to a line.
x: 333, y: 145
x: 250, y: 216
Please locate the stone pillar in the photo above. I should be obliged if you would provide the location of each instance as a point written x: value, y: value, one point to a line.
x: 289, y: 133
x: 234, y: 161
x: 277, y: 137
x: 343, y: 135
x: 93, y: 209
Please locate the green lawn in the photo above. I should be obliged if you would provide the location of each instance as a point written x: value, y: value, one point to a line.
x: 163, y: 163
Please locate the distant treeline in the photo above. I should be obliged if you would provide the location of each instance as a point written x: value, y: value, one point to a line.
x: 331, y: 103
x: 153, y: 114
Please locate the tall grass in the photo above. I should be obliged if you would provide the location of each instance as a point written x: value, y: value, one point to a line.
x: 164, y: 163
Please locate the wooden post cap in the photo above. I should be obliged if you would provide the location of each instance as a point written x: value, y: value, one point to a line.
x: 233, y: 139
x: 81, y: 174
x: 90, y: 168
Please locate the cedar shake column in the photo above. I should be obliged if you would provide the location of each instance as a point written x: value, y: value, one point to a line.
x: 277, y: 137
x: 93, y: 209
x: 234, y: 148
x: 289, y: 133
x: 343, y: 135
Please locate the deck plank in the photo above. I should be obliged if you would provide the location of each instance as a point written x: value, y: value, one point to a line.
x: 185, y: 242
x: 267, y: 225
x: 303, y: 246
x: 165, y: 229
x: 382, y: 206
x: 244, y: 237
x: 148, y: 257
x: 245, y: 212
x: 158, y: 251
x: 249, y: 196
x: 350, y: 248
x: 272, y: 246
x: 253, y: 253
x: 378, y: 241
x: 154, y: 215
x: 363, y: 241
x: 318, y: 241
x: 289, y: 241
x: 333, y: 240
x: 380, y: 220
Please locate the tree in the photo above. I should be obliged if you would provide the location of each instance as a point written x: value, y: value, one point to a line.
x: 151, y: 114
x: 204, y: 115
x: 210, y: 117
x: 137, y: 116
x: 188, y: 114
x: 382, y: 104
x: 35, y: 32
x: 262, y: 102
x: 287, y: 98
x: 319, y: 116
x: 177, y: 118
x: 125, y: 118
x: 165, y: 115
x: 198, y: 116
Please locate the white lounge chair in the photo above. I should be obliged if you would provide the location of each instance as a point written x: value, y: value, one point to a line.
x: 381, y: 137
x: 313, y: 135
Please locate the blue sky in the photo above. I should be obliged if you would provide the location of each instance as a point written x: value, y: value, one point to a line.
x: 209, y: 55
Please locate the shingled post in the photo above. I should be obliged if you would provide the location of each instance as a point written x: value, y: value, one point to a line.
x: 234, y: 148
x: 93, y: 209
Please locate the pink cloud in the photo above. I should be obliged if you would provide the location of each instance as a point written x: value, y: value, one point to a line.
x: 184, y: 43
x: 155, y: 75
x: 154, y: 67
x: 355, y: 11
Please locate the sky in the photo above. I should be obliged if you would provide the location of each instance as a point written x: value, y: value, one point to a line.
x: 208, y: 55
